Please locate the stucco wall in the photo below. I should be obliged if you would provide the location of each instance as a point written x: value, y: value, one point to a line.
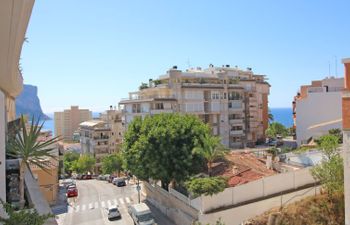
x: 317, y: 108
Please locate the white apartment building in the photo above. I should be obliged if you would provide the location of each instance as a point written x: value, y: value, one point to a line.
x: 233, y: 102
x: 14, y: 18
x: 95, y: 140
x: 67, y: 122
x: 317, y: 108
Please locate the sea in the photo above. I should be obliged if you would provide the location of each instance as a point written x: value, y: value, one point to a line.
x: 281, y: 115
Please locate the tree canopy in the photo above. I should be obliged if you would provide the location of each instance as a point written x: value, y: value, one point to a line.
x: 330, y: 172
x: 161, y: 147
x: 276, y: 129
x: 112, y: 163
x: 206, y: 186
x: 69, y: 159
x: 84, y: 164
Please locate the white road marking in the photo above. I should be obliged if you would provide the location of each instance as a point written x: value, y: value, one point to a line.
x: 77, y: 208
x: 90, y: 206
x: 115, y: 202
x: 96, y: 205
x: 127, y: 199
x: 83, y: 207
x: 109, y: 203
x: 70, y: 209
x: 103, y: 204
x: 121, y: 201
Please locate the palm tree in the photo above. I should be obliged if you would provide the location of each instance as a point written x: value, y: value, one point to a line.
x: 270, y: 117
x: 24, y: 145
x: 211, y: 150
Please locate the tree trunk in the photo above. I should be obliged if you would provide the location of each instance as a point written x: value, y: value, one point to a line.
x: 165, y: 185
x: 209, y: 165
x: 21, y: 183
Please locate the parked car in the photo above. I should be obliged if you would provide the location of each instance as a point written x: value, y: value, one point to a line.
x: 113, y: 213
x: 72, y: 192
x: 88, y: 176
x: 71, y: 186
x: 110, y: 179
x: 67, y: 182
x: 100, y: 177
x: 141, y: 214
x: 121, y: 183
x: 120, y: 180
x: 106, y: 177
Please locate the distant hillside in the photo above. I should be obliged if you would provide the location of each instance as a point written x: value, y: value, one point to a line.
x: 28, y: 103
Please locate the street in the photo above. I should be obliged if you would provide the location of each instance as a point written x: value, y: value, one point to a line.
x: 95, y: 196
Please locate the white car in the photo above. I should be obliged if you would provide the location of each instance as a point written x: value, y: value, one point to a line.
x: 113, y: 213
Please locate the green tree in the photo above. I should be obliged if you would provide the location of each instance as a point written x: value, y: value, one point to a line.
x: 25, y: 145
x: 330, y: 172
x: 112, y: 163
x: 218, y: 222
x: 206, y: 186
x: 69, y: 159
x: 84, y: 164
x: 338, y: 133
x: 22, y: 217
x: 270, y: 117
x: 276, y: 129
x: 161, y: 147
x: 211, y: 150
x: 143, y: 86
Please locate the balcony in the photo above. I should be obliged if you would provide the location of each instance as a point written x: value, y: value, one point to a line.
x: 158, y: 111
x: 201, y: 85
x: 236, y: 132
x: 236, y: 121
x: 104, y: 137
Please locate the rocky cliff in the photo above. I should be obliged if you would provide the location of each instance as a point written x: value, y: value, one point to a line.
x: 28, y: 103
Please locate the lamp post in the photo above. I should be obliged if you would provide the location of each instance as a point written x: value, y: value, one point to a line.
x: 138, y: 188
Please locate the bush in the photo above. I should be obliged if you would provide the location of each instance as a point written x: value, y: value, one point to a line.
x: 206, y: 186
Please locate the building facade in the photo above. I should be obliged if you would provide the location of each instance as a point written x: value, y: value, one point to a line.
x: 95, y: 140
x: 317, y: 109
x: 233, y: 102
x: 67, y: 122
x: 14, y: 18
x: 113, y: 118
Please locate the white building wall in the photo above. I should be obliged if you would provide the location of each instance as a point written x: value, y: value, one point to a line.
x: 2, y: 147
x: 317, y: 108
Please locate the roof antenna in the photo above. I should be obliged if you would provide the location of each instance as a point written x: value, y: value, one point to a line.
x: 329, y: 68
x: 188, y: 63
x: 336, y: 67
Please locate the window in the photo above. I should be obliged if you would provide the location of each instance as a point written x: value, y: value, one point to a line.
x: 159, y: 106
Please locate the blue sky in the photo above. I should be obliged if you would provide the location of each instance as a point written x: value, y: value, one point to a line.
x: 92, y: 53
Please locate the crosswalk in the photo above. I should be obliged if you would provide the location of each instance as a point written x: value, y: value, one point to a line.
x: 76, y: 207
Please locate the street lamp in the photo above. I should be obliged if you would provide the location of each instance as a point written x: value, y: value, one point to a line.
x: 138, y: 188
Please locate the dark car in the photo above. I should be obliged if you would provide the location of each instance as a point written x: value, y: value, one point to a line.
x: 88, y: 176
x: 121, y: 183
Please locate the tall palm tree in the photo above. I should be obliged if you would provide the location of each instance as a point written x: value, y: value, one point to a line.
x: 24, y: 145
x: 211, y: 150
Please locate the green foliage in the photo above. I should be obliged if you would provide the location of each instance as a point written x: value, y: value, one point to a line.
x: 161, y: 147
x: 143, y: 86
x: 211, y: 150
x: 331, y: 170
x: 112, y: 163
x: 157, y: 82
x: 84, y: 164
x: 24, y: 145
x: 270, y: 117
x: 69, y: 159
x: 276, y: 129
x: 338, y: 133
x: 206, y: 186
x: 22, y: 217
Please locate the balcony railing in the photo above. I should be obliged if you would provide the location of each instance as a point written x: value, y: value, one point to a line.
x: 236, y: 132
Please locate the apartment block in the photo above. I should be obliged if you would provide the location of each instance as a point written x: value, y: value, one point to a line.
x: 113, y: 118
x: 67, y: 122
x: 14, y: 18
x: 232, y: 101
x: 95, y: 140
x: 317, y: 108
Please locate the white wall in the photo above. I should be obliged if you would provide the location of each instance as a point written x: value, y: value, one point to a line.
x: 317, y: 108
x: 2, y: 147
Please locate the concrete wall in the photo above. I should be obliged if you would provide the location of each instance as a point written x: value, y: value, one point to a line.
x: 261, y: 188
x: 317, y: 108
x: 2, y: 147
x: 168, y: 204
x: 238, y: 215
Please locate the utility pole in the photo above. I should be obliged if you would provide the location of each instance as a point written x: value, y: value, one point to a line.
x: 346, y: 139
x: 138, y: 188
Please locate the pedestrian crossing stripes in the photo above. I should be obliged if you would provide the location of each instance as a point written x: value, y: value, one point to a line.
x: 76, y: 207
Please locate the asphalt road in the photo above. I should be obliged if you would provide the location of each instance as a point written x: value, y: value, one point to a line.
x: 90, y: 207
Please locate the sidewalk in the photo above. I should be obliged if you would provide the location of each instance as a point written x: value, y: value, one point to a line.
x: 61, y: 204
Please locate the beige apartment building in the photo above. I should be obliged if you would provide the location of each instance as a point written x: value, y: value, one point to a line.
x: 113, y: 118
x: 317, y: 108
x: 95, y: 136
x: 67, y: 122
x: 14, y: 18
x: 232, y: 101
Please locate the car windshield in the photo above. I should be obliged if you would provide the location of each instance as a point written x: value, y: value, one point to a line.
x: 145, y: 217
x: 113, y: 210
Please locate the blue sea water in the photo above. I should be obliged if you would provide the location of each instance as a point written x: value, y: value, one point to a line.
x: 283, y: 116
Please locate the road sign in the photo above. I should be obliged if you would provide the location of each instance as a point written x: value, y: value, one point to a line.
x: 138, y: 188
